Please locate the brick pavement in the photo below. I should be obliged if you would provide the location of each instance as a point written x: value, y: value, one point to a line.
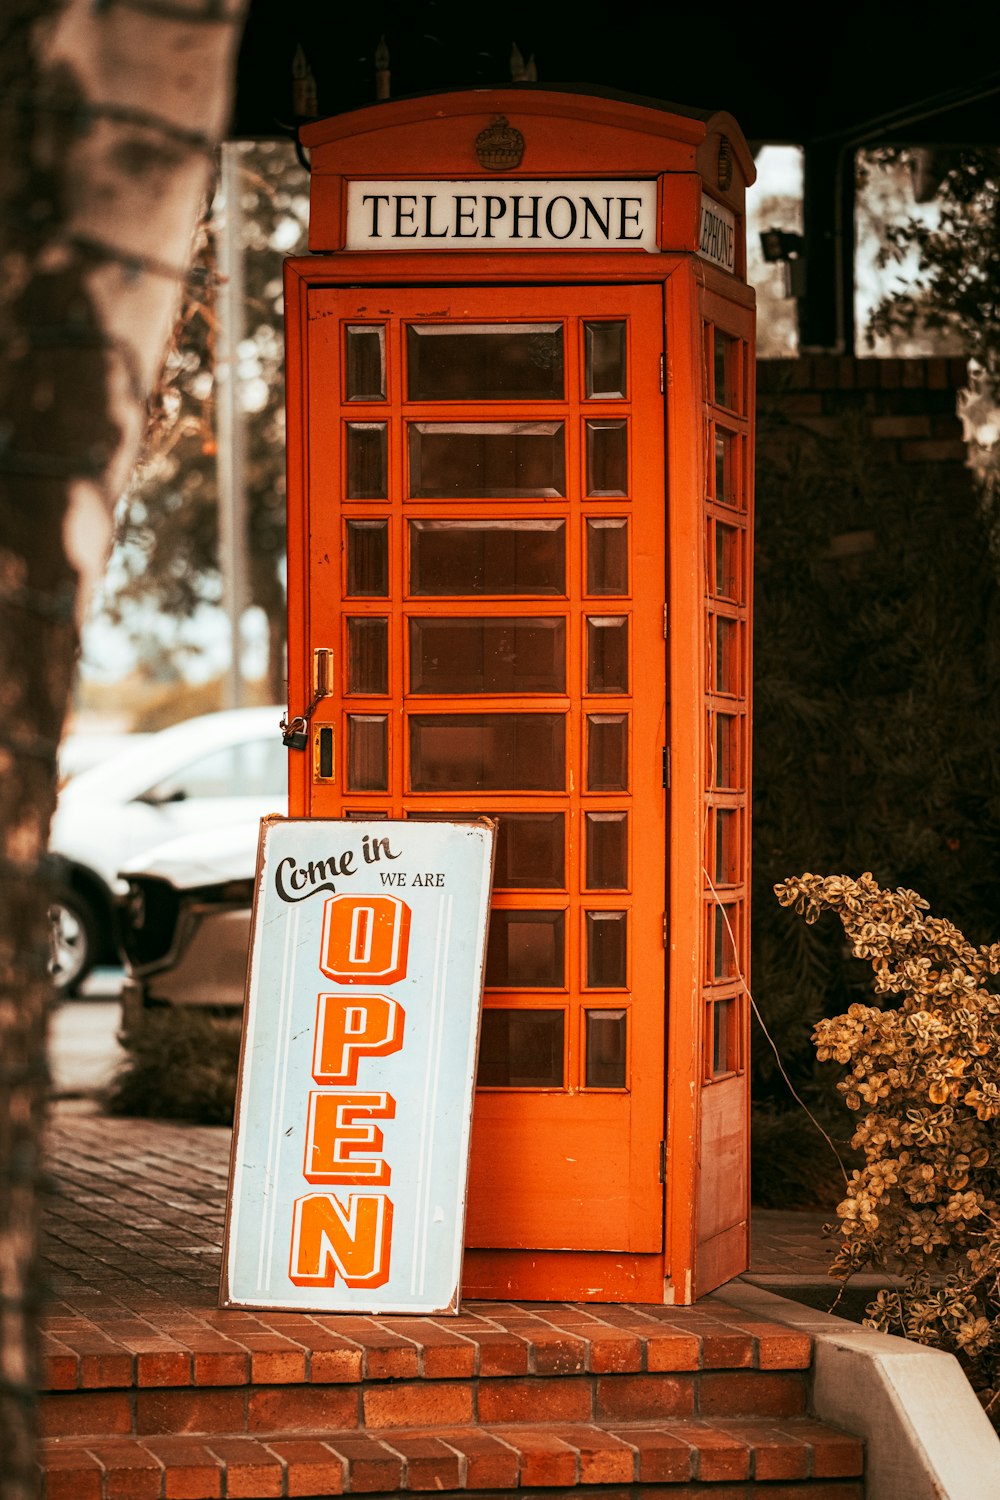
x: 138, y: 1207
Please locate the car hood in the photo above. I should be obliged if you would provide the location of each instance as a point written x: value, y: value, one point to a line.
x: 215, y: 857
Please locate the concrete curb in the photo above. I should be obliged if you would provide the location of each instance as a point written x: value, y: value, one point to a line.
x: 926, y: 1436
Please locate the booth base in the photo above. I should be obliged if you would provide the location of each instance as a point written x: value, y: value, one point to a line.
x: 151, y: 1392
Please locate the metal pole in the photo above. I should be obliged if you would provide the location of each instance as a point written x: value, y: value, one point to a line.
x: 231, y: 427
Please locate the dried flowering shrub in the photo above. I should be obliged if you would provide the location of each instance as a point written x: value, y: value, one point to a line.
x: 922, y: 1072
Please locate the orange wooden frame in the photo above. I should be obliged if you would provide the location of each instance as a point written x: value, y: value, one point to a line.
x: 705, y: 1125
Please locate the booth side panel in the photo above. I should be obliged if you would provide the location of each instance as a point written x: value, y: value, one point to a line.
x: 297, y: 470
x: 723, y: 1207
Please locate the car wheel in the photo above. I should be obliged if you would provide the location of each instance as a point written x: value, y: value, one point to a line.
x: 72, y: 940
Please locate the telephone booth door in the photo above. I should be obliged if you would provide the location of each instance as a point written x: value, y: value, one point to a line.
x: 487, y: 563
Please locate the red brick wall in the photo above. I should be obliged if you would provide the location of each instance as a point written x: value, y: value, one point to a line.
x: 910, y: 405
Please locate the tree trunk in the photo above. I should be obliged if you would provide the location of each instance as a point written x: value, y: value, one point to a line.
x: 108, y: 117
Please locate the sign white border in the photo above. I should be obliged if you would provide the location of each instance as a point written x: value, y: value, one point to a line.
x: 353, y: 1141
x: 502, y: 214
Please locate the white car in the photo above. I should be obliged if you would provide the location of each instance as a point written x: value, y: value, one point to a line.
x: 184, y: 922
x: 218, y: 770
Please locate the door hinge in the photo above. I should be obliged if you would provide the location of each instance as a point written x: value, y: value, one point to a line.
x: 664, y: 929
x: 663, y: 1161
x: 663, y: 374
x: 664, y: 622
x: 666, y: 765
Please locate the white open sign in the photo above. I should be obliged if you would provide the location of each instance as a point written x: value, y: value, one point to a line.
x: 351, y: 1147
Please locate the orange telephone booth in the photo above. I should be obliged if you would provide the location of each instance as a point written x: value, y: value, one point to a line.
x: 520, y: 402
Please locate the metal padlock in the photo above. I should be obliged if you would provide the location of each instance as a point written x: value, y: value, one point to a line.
x: 294, y: 736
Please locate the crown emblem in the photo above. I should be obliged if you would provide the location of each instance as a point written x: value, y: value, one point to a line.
x: 499, y: 147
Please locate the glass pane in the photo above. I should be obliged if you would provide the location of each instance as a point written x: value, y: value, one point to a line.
x: 530, y: 851
x: 365, y: 348
x: 529, y: 847
x: 607, y: 752
x: 727, y: 845
x: 367, y: 753
x: 607, y: 654
x: 724, y: 919
x: 725, y: 1043
x: 487, y: 752
x: 367, y: 655
x: 496, y: 655
x: 727, y: 561
x: 727, y: 655
x: 367, y: 559
x: 726, y: 350
x: 726, y: 751
x: 726, y: 469
x: 606, y: 1049
x: 607, y: 458
x: 487, y: 557
x: 367, y: 460
x: 486, y: 460
x: 485, y: 361
x: 361, y: 814
x: 525, y: 949
x: 607, y: 949
x: 607, y: 850
x: 604, y: 355
x: 607, y: 555
x: 521, y: 1049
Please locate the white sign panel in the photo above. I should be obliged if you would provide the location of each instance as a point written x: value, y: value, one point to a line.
x: 507, y: 214
x: 350, y: 1152
x: 717, y: 234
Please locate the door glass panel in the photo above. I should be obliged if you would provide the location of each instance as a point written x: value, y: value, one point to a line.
x: 367, y: 559
x: 530, y: 851
x: 530, y: 847
x: 367, y: 460
x: 485, y: 361
x: 607, y: 458
x: 494, y: 655
x: 607, y: 850
x: 607, y: 555
x: 367, y: 753
x: 607, y: 752
x: 488, y: 752
x: 486, y: 460
x: 607, y: 654
x: 521, y: 1048
x: 487, y: 557
x: 606, y: 1049
x: 526, y: 950
x: 365, y: 363
x: 367, y: 655
x: 604, y: 360
x: 607, y: 949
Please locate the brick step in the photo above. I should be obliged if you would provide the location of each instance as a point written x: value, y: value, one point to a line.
x: 148, y: 1344
x: 731, y: 1457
